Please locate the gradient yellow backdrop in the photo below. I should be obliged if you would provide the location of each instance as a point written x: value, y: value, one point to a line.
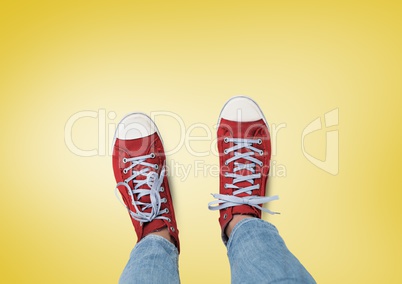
x: 60, y: 221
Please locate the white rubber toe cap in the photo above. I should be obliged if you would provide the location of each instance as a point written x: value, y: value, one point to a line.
x: 241, y: 109
x: 134, y: 126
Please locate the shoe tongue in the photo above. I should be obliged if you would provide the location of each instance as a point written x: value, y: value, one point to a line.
x: 244, y: 130
x: 150, y: 177
x: 147, y: 186
x: 140, y: 147
x: 244, y: 172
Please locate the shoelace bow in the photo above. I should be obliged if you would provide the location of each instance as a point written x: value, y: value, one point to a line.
x: 225, y: 201
x: 153, y: 181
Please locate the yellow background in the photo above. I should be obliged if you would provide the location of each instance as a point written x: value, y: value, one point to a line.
x: 60, y: 221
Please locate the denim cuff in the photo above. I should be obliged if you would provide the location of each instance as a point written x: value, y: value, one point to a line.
x: 164, y: 242
x: 248, y: 222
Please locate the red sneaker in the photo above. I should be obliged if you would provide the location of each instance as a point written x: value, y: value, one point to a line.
x: 244, y: 147
x: 140, y: 172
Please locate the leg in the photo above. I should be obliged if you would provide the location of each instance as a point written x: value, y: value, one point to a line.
x: 153, y: 260
x: 257, y: 254
x: 139, y: 165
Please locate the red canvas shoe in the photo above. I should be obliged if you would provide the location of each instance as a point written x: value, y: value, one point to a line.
x: 244, y: 147
x: 140, y: 172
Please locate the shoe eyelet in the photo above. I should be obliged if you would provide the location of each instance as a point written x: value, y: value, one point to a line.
x: 225, y: 151
x: 172, y: 229
x: 161, y: 189
x: 225, y: 216
x: 124, y: 171
x: 166, y: 210
x: 124, y: 160
x: 169, y: 220
x: 260, y: 164
x: 261, y: 152
x: 152, y: 155
x: 259, y: 141
x: 226, y: 186
x: 156, y: 167
x: 226, y: 140
x: 226, y: 163
x: 164, y: 200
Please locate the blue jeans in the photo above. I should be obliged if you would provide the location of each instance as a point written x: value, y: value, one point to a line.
x: 257, y: 254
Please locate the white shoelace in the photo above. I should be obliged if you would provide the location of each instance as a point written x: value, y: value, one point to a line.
x: 225, y: 201
x: 153, y: 181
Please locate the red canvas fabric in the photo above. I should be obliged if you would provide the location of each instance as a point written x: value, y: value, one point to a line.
x: 250, y: 130
x: 139, y: 147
